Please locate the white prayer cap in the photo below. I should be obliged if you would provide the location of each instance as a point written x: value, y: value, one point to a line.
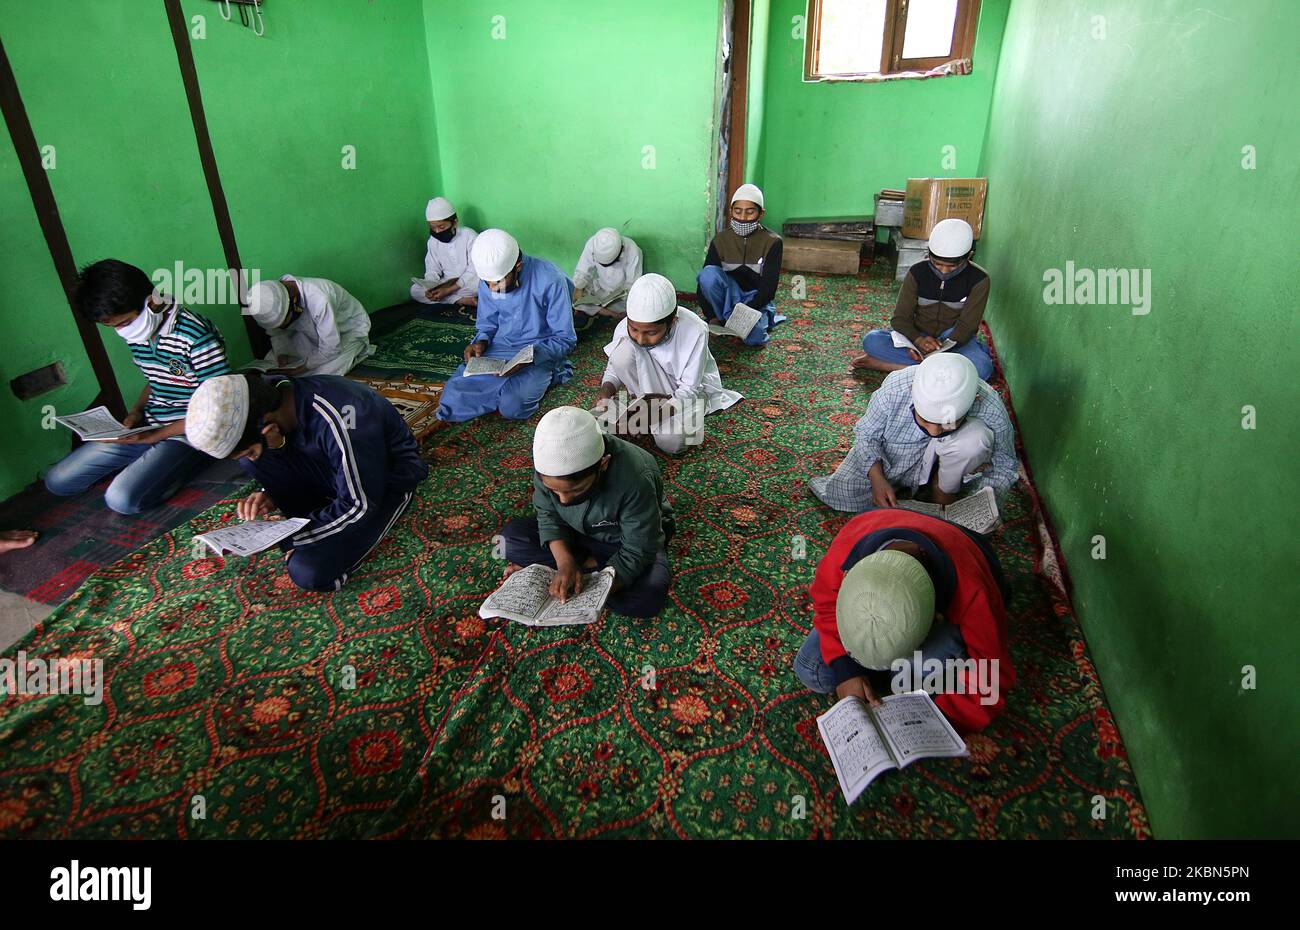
x: 944, y: 387
x: 651, y: 298
x: 217, y: 415
x: 884, y: 609
x: 606, y: 245
x: 439, y: 208
x: 567, y: 440
x: 494, y: 254
x: 951, y: 238
x: 268, y: 303
x: 748, y: 192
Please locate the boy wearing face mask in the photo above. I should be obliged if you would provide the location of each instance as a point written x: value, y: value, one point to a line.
x: 600, y: 502
x: 609, y: 263
x: 326, y: 448
x: 523, y: 301
x: 313, y: 321
x: 743, y: 266
x: 942, y: 298
x: 660, y: 354
x: 176, y: 350
x: 446, y: 259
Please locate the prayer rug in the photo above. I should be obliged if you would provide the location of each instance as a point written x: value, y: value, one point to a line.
x: 390, y: 709
x: 416, y: 401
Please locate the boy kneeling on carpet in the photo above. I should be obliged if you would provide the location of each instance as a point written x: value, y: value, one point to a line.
x: 600, y: 501
x: 323, y: 447
x: 904, y: 601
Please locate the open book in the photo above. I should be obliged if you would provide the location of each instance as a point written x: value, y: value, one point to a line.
x: 429, y: 284
x: 978, y: 511
x: 98, y: 425
x: 482, y: 365
x: 740, y: 323
x: 902, y: 342
x: 591, y: 300
x: 864, y: 741
x: 251, y: 536
x: 525, y: 598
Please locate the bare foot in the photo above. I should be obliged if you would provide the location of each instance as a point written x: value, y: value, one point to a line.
x: 16, y: 539
x: 511, y: 568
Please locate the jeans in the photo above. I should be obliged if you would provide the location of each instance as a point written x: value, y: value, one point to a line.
x: 879, y: 344
x: 943, y: 642
x: 721, y: 293
x: 148, y: 473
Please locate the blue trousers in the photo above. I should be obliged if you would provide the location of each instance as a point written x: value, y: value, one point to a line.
x: 644, y: 597
x: 943, y: 642
x: 879, y: 344
x: 148, y: 474
x: 325, y: 565
x: 721, y: 292
x: 517, y: 397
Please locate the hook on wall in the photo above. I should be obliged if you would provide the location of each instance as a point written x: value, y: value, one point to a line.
x: 260, y: 28
x: 252, y: 18
x: 225, y: 11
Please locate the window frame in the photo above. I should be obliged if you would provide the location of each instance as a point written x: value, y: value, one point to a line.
x: 892, y: 63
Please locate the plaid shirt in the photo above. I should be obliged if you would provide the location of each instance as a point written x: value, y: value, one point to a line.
x: 889, y: 433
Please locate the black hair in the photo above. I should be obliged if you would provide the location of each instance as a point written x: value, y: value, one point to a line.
x: 263, y: 398
x: 110, y: 288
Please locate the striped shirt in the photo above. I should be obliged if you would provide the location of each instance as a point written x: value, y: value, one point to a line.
x: 186, y: 350
x: 888, y: 433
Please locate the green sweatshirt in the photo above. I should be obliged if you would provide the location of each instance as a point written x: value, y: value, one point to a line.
x: 626, y: 506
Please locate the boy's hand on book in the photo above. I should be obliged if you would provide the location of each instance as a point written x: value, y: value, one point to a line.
x: 475, y: 349
x: 255, y: 506
x: 567, y: 582
x: 133, y: 419
x: 857, y: 687
x: 927, y: 344
x: 882, y: 493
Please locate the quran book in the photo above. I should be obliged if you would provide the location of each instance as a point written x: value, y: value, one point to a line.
x: 482, y: 365
x: 902, y: 342
x: 525, y: 597
x: 864, y: 741
x: 591, y: 300
x: 98, y: 425
x: 978, y: 511
x: 251, y: 536
x: 742, y: 320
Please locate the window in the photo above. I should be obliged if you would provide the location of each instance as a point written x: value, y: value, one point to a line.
x: 870, y: 39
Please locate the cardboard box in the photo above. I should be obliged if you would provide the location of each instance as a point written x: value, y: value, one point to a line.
x: 910, y: 251
x: 930, y: 200
x: 888, y: 212
x: 827, y: 256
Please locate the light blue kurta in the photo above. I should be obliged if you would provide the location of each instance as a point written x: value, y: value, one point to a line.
x: 538, y: 313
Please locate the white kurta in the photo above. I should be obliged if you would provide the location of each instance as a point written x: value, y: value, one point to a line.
x: 681, y: 367
x: 600, y: 281
x: 443, y: 260
x: 331, y: 334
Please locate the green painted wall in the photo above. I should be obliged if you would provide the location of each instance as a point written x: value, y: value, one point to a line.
x: 101, y: 83
x: 1125, y: 151
x: 542, y: 132
x: 828, y: 147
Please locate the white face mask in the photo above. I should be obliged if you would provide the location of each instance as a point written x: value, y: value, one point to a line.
x: 141, y: 329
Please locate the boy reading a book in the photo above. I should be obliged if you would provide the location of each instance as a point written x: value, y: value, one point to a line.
x: 610, y: 264
x: 523, y: 301
x: 934, y: 425
x: 600, y: 502
x: 325, y: 448
x: 316, y: 327
x: 660, y: 354
x: 894, y: 584
x: 743, y: 266
x: 446, y: 258
x: 176, y: 350
x: 942, y: 298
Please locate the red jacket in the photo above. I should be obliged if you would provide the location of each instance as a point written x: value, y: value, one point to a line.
x: 976, y: 607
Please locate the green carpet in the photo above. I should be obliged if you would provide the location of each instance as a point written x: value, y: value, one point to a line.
x: 229, y: 685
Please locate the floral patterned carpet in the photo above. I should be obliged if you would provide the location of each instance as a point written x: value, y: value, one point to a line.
x: 239, y: 706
